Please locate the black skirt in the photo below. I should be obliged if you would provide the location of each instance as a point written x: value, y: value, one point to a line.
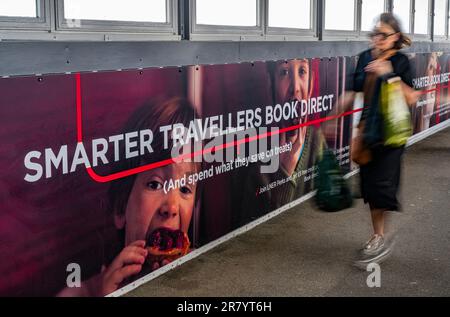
x: 380, y: 179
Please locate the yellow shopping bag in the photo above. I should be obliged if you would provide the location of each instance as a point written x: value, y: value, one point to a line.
x: 396, y: 116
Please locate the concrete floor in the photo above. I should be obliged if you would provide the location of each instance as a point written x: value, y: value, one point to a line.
x: 304, y: 252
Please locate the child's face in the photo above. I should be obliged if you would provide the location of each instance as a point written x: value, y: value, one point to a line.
x: 149, y: 208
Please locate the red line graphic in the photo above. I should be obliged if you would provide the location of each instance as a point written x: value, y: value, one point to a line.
x: 427, y: 91
x: 140, y: 169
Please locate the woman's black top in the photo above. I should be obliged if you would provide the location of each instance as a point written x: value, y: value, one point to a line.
x: 371, y: 113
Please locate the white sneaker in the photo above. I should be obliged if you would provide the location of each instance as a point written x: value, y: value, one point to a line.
x: 374, y: 245
x: 376, y: 250
x: 378, y: 258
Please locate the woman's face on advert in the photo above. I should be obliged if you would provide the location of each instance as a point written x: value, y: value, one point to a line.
x: 149, y: 207
x: 292, y: 80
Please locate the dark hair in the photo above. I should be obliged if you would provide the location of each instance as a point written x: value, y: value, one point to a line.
x: 152, y: 115
x: 393, y: 22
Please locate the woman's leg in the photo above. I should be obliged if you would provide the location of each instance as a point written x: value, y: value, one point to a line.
x: 375, y: 250
x: 378, y: 220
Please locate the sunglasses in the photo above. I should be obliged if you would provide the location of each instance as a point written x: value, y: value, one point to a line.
x: 383, y: 35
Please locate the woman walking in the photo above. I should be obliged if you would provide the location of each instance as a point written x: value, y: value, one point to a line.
x: 380, y: 167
